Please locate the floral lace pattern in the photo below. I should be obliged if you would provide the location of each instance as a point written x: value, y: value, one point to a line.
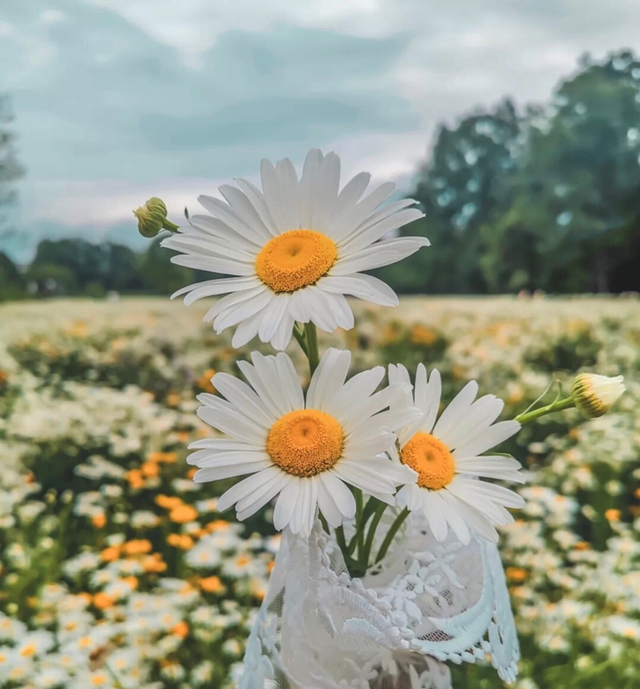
x: 426, y: 603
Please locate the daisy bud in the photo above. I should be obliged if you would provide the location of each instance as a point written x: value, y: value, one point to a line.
x: 151, y: 217
x: 594, y: 395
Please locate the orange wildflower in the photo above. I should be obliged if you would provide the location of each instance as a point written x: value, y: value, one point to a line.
x: 167, y: 502
x: 420, y: 334
x: 131, y: 581
x: 150, y: 469
x: 192, y: 472
x: 204, y: 382
x: 102, y: 601
x: 99, y: 520
x: 516, y: 573
x: 217, y: 525
x: 183, y: 541
x: 163, y: 457
x: 135, y: 478
x: 612, y: 515
x: 111, y: 553
x: 212, y: 585
x: 183, y: 514
x: 154, y: 563
x: 181, y: 630
x: 137, y: 547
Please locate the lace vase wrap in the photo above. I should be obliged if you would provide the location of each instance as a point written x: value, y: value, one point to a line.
x: 425, y: 603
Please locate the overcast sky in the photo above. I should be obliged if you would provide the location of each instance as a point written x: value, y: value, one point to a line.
x: 118, y: 100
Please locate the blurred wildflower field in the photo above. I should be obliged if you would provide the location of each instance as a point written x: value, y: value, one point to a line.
x: 116, y: 570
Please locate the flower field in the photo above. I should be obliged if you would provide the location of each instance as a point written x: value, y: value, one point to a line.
x: 117, y: 571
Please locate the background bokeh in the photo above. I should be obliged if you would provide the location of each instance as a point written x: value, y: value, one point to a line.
x: 516, y: 126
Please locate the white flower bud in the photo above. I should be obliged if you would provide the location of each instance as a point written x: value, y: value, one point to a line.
x: 594, y: 395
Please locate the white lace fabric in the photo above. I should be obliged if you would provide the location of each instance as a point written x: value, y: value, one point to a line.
x: 424, y: 604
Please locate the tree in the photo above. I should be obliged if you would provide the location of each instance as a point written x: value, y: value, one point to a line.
x: 457, y: 188
x: 160, y: 275
x: 568, y: 216
x: 100, y: 267
x: 11, y: 282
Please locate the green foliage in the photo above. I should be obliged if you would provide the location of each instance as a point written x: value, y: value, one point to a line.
x: 568, y: 215
x: 547, y: 199
x: 11, y: 283
x: 101, y: 266
x: 49, y: 278
x: 97, y: 410
x: 159, y: 274
x: 458, y: 189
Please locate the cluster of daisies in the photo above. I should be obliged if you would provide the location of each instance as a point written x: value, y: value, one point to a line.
x: 293, y: 252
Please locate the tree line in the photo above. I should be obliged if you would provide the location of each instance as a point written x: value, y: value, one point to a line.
x: 547, y: 198
x: 75, y: 267
x: 540, y: 197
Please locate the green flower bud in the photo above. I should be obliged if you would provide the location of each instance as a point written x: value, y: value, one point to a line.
x: 151, y: 217
x: 594, y: 395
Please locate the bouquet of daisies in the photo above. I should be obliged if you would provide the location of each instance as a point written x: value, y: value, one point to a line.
x: 388, y: 503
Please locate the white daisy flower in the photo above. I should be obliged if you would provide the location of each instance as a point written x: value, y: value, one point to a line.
x: 294, y: 249
x: 304, y: 449
x: 447, y: 454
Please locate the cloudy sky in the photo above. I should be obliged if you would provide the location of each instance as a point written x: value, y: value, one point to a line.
x: 117, y: 100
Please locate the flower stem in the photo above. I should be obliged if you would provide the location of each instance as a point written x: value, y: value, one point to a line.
x: 298, y: 333
x: 168, y: 225
x: 368, y: 544
x: 311, y: 341
x: 559, y: 405
x: 359, y: 522
x: 393, y: 530
x: 350, y: 563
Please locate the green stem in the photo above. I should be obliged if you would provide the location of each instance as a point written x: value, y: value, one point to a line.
x: 526, y: 417
x: 311, y: 340
x: 359, y: 521
x: 168, y: 225
x: 369, y: 508
x: 115, y: 677
x: 342, y: 543
x: 299, y: 335
x: 393, y: 530
x: 375, y: 521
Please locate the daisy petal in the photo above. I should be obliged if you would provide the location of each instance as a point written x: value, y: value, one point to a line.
x: 490, y: 437
x: 286, y: 503
x: 247, y: 486
x: 456, y: 410
x: 361, y: 286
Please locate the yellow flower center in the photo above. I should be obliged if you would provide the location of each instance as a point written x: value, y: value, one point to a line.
x: 305, y: 442
x: 295, y: 259
x: 431, y: 459
x: 28, y: 650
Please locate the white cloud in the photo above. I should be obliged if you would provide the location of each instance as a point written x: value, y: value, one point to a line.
x: 51, y: 16
x: 102, y: 91
x: 112, y: 201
